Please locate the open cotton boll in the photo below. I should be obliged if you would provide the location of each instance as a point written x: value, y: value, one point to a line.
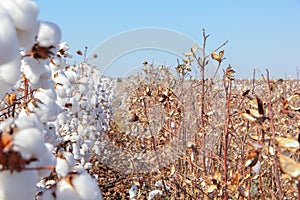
x: 26, y: 37
x: 24, y: 15
x: 65, y: 191
x: 26, y: 122
x: 9, y: 46
x: 154, y: 193
x: 50, y: 93
x: 133, y: 192
x: 65, y: 163
x: 64, y: 50
x: 18, y: 185
x: 57, y: 64
x: 49, y: 34
x: 29, y: 143
x: 47, y: 108
x: 9, y: 54
x: 23, y: 12
x: 33, y: 68
x: 72, y: 76
x: 63, y: 87
x: 86, y: 187
x: 9, y: 75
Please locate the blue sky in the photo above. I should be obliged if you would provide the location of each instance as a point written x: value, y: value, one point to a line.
x: 261, y: 33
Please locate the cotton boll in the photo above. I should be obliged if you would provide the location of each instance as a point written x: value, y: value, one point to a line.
x: 65, y: 164
x: 9, y: 46
x: 47, y: 109
x: 88, y: 165
x: 63, y: 86
x: 23, y: 12
x: 76, y: 150
x: 61, y: 92
x: 86, y: 187
x: 29, y: 143
x: 26, y: 37
x: 64, y: 50
x: 65, y: 191
x: 57, y: 64
x: 24, y: 16
x: 33, y: 69
x: 18, y: 185
x: 154, y: 193
x: 50, y: 93
x: 71, y: 75
x: 133, y: 191
x: 49, y: 34
x: 28, y: 122
x: 10, y: 73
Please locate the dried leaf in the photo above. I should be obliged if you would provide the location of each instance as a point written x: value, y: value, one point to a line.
x: 188, y: 54
x: 245, y: 93
x: 289, y: 143
x: 11, y: 98
x: 79, y: 52
x: 172, y: 170
x: 215, y: 56
x: 260, y: 106
x: 252, y: 158
x: 221, y: 54
x: 289, y: 166
x: 248, y: 117
x: 195, y: 48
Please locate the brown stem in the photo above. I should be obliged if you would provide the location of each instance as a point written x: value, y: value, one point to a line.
x: 227, y: 86
x: 154, y: 146
x: 272, y: 127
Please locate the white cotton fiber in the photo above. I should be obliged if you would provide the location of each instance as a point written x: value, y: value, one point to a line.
x: 86, y: 187
x: 30, y: 143
x: 21, y: 183
x: 23, y: 12
x: 9, y: 46
x: 154, y: 193
x: 26, y: 37
x: 49, y: 34
x: 24, y: 16
x: 10, y: 71
x: 47, y: 159
x: 65, y: 191
x: 64, y: 164
x: 34, y: 68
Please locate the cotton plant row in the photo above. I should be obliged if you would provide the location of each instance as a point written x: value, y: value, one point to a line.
x: 51, y: 112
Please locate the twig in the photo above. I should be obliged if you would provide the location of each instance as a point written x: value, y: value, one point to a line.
x: 227, y: 88
x: 154, y: 146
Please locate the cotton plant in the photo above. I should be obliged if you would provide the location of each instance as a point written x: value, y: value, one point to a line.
x: 83, y: 117
x: 51, y: 121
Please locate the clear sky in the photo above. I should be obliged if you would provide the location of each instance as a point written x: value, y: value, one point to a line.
x: 261, y: 33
